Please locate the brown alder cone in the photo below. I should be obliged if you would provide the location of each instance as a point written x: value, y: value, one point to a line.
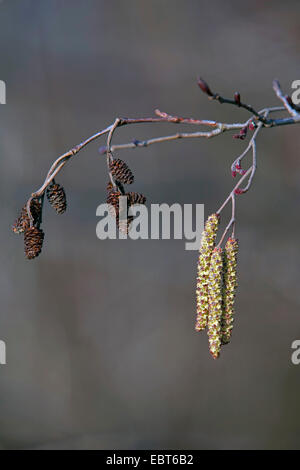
x: 33, y: 241
x: 113, y: 200
x: 109, y: 186
x: 135, y: 198
x: 23, y: 222
x: 57, y: 197
x: 120, y: 171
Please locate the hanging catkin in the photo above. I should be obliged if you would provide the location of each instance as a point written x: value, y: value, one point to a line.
x: 229, y: 287
x: 206, y: 249
x: 215, y: 302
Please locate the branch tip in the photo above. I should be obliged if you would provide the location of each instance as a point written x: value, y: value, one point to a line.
x: 204, y: 87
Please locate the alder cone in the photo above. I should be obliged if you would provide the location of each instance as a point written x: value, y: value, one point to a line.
x: 135, y: 198
x: 109, y: 186
x: 57, y: 197
x: 113, y: 200
x: 33, y: 242
x: 120, y: 171
x: 23, y: 222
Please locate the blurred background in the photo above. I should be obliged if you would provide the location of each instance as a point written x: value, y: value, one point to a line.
x: 101, y: 347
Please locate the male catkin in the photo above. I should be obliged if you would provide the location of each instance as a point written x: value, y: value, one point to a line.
x: 206, y: 249
x: 215, y: 302
x: 229, y: 287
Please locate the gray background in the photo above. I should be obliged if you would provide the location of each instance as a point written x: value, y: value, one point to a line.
x: 101, y: 347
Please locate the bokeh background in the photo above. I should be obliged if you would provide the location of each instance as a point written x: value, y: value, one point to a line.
x: 101, y: 347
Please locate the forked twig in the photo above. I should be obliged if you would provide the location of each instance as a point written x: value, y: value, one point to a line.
x: 258, y: 120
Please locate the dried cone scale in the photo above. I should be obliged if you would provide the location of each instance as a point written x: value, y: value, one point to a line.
x: 229, y: 287
x: 23, y: 222
x: 215, y: 302
x: 206, y: 249
x: 33, y: 241
x: 120, y: 171
x: 109, y: 186
x: 135, y: 198
x: 57, y: 197
x: 113, y: 200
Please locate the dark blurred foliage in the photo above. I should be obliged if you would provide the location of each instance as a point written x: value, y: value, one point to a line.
x: 101, y: 348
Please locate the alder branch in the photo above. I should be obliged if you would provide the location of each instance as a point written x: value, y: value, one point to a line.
x: 217, y: 267
x: 257, y: 121
x: 236, y: 101
x: 219, y: 129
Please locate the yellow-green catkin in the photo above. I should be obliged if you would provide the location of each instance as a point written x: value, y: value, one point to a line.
x: 229, y: 287
x: 205, y: 252
x: 215, y: 302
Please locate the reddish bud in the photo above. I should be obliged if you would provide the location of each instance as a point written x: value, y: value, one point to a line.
x: 237, y: 98
x: 204, y: 87
x: 251, y: 126
x: 238, y: 169
x: 238, y: 191
x: 233, y: 174
x: 242, y: 134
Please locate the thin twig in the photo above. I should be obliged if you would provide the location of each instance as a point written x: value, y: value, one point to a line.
x: 177, y: 119
x: 232, y: 192
x: 233, y: 215
x: 219, y: 128
x: 249, y: 108
x: 109, y: 156
x: 223, y: 127
x: 285, y: 101
x: 167, y: 138
x: 253, y: 168
x: 231, y: 222
x: 236, y: 101
x: 235, y: 165
x: 250, y: 171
